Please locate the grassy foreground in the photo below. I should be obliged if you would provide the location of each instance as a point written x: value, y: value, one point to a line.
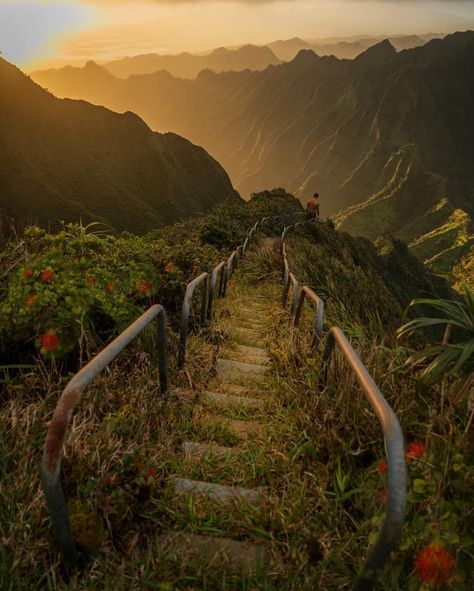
x: 318, y: 459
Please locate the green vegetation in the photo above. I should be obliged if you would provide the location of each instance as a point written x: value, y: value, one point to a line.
x: 319, y: 456
x: 71, y: 160
x: 72, y: 290
x: 447, y: 359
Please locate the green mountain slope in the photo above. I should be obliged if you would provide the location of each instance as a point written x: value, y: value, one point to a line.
x: 64, y: 159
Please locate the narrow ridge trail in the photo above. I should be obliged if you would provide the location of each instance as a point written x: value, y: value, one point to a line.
x: 235, y: 475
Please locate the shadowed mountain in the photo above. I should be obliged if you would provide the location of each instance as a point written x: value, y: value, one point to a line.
x: 67, y: 159
x: 384, y: 138
x: 187, y: 65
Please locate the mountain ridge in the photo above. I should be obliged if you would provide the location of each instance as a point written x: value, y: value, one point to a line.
x: 68, y: 159
x: 383, y: 137
x: 188, y: 65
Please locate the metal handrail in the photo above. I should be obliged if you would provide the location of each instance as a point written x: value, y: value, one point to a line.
x: 227, y: 268
x: 188, y: 296
x: 69, y: 399
x: 308, y: 293
x: 397, y: 479
x: 395, y: 449
x: 222, y: 269
x: 231, y: 264
x: 291, y: 279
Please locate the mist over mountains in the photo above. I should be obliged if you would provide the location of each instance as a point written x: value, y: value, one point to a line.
x: 344, y: 48
x: 67, y: 159
x: 188, y: 65
x: 385, y: 138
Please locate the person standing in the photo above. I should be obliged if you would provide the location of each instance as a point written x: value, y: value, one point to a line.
x: 312, y: 208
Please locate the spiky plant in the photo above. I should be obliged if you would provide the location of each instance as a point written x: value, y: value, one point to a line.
x: 454, y: 359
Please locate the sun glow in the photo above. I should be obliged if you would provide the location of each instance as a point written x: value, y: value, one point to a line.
x: 71, y: 31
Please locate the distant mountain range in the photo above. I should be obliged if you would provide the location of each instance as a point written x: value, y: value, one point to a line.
x: 385, y: 138
x: 188, y: 65
x: 345, y: 48
x: 67, y: 159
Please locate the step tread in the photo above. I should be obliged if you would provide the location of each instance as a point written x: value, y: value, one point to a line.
x: 222, y: 552
x: 192, y: 448
x: 229, y: 371
x: 227, y: 400
x: 219, y: 492
x: 241, y: 429
x: 255, y: 355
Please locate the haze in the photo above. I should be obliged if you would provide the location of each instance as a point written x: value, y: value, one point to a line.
x: 38, y: 33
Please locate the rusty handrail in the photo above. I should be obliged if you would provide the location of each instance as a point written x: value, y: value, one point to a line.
x: 69, y: 399
x: 395, y: 449
x: 222, y: 270
x: 308, y: 293
x: 188, y: 296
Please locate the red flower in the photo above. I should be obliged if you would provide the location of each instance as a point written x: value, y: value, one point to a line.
x: 47, y: 276
x: 382, y: 467
x: 27, y: 273
x: 434, y: 564
x: 150, y: 472
x: 31, y: 300
x: 49, y: 341
x: 144, y: 287
x: 169, y: 267
x: 415, y: 450
x: 110, y: 287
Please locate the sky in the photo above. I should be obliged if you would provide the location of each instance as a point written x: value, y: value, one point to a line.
x: 41, y: 33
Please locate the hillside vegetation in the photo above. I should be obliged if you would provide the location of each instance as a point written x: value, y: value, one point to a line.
x: 318, y: 460
x: 71, y: 290
x: 384, y: 138
x: 69, y: 160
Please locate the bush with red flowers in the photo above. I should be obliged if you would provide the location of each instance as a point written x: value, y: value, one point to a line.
x: 434, y: 564
x: 75, y: 285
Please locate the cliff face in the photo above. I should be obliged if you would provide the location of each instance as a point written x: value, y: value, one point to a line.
x: 66, y: 159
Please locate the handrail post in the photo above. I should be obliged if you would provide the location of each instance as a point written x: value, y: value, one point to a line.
x: 162, y: 352
x: 205, y: 295
x: 183, y: 333
x: 294, y: 297
x: 306, y: 292
x: 286, y: 284
x: 223, y: 283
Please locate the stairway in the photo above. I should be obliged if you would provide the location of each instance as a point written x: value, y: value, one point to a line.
x: 234, y: 402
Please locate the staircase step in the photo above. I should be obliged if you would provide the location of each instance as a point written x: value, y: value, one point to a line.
x: 193, y: 449
x: 254, y: 355
x: 227, y: 400
x: 242, y: 429
x: 230, y: 371
x: 235, y: 557
x: 218, y: 492
x: 245, y: 336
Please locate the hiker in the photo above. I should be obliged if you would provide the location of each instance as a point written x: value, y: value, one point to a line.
x: 312, y: 208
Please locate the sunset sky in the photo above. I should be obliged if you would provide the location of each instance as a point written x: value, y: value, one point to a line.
x: 38, y: 33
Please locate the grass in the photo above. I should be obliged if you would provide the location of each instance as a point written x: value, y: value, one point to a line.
x: 314, y: 460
